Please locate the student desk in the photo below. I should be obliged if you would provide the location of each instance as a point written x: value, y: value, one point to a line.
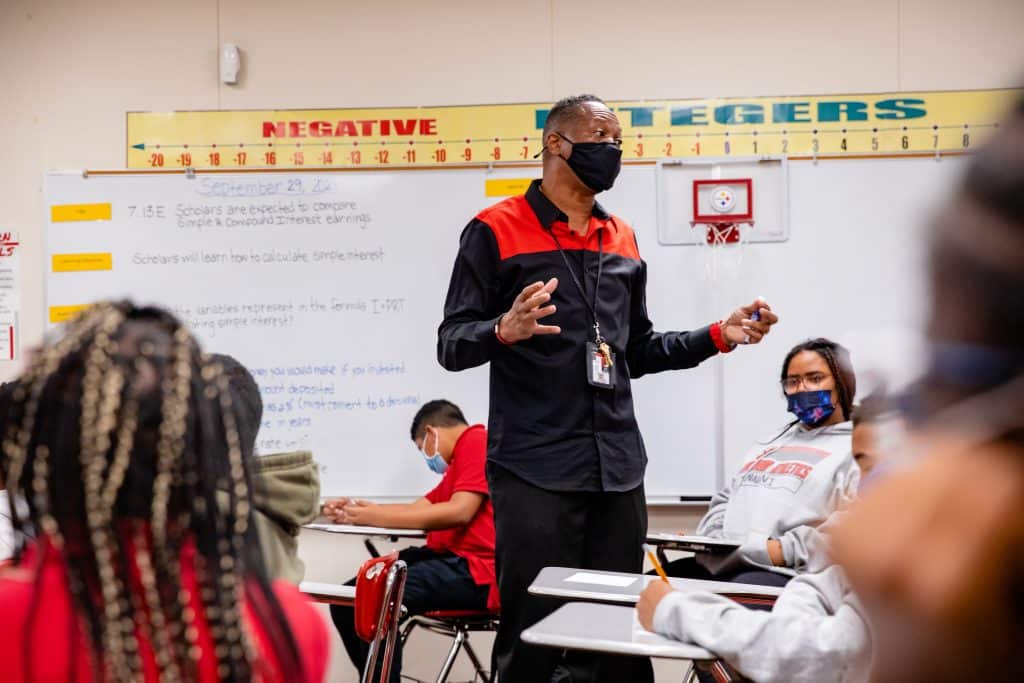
x: 370, y: 532
x: 624, y: 588
x: 606, y: 628
x: 330, y: 593
x: 693, y: 544
x: 689, y: 543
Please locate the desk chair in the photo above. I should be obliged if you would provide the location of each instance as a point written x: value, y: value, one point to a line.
x: 717, y: 671
x: 457, y: 625
x: 379, y: 588
x: 762, y: 603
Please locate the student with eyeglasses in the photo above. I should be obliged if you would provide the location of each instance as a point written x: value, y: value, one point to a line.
x: 790, y: 484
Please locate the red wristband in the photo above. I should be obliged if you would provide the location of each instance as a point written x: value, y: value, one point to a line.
x: 497, y: 334
x: 719, y: 339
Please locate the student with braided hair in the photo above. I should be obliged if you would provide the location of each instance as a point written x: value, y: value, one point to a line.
x: 120, y: 435
x: 791, y: 484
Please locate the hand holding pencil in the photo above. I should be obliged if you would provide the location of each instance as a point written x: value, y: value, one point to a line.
x: 657, y: 565
x: 653, y: 594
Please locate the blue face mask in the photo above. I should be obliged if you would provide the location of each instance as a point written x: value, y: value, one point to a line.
x: 811, y: 407
x: 435, y: 462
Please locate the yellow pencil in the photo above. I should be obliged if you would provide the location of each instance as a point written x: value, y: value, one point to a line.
x: 657, y: 565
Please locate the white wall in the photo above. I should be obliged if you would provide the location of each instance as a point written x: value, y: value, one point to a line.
x: 72, y: 68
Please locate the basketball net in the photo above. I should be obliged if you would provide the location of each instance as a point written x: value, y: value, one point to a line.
x: 724, y: 245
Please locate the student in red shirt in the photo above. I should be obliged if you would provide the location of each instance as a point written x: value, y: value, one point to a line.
x: 121, y: 436
x: 455, y: 570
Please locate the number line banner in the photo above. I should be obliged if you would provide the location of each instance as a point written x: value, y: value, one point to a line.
x: 855, y: 125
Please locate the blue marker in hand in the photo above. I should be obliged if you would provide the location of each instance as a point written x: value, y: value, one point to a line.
x: 756, y: 315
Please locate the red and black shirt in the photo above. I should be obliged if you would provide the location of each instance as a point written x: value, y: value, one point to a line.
x: 547, y: 424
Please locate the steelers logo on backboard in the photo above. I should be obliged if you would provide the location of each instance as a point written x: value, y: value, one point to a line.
x: 723, y: 199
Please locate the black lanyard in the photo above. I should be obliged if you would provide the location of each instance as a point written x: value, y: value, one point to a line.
x: 579, y: 285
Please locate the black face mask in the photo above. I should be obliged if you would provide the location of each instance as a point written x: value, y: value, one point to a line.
x: 596, y: 164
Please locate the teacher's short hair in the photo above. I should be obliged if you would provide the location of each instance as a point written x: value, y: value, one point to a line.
x: 567, y: 110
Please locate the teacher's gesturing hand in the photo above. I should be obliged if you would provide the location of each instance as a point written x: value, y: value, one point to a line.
x: 521, y: 321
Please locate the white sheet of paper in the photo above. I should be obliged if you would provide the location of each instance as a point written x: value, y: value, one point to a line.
x: 602, y: 579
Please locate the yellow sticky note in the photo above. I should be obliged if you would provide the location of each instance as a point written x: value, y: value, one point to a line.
x: 506, y: 187
x: 76, y: 263
x: 63, y: 213
x: 62, y: 314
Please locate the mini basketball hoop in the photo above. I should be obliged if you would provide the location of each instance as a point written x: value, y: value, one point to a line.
x: 723, y: 206
x: 726, y: 209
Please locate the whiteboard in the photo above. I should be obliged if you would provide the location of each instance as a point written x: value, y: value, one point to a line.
x: 329, y: 286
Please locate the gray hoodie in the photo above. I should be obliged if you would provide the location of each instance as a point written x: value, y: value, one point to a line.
x: 784, y: 489
x: 287, y: 495
x: 816, y: 633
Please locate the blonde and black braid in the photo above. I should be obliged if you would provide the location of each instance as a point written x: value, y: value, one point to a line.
x: 123, y: 438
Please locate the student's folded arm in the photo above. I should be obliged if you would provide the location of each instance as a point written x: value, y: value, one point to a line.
x: 805, y: 547
x: 799, y: 544
x: 755, y: 548
x: 422, y: 514
x: 649, y: 351
x: 713, y: 522
x: 392, y: 515
x: 796, y: 545
x: 465, y: 338
x: 810, y: 636
x: 458, y: 511
x: 420, y: 504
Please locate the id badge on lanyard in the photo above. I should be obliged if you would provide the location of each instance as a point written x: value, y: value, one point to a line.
x: 599, y: 355
x: 600, y: 364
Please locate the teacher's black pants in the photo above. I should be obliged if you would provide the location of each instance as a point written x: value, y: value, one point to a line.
x: 537, y: 528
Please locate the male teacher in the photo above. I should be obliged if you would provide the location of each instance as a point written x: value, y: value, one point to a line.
x: 550, y: 289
